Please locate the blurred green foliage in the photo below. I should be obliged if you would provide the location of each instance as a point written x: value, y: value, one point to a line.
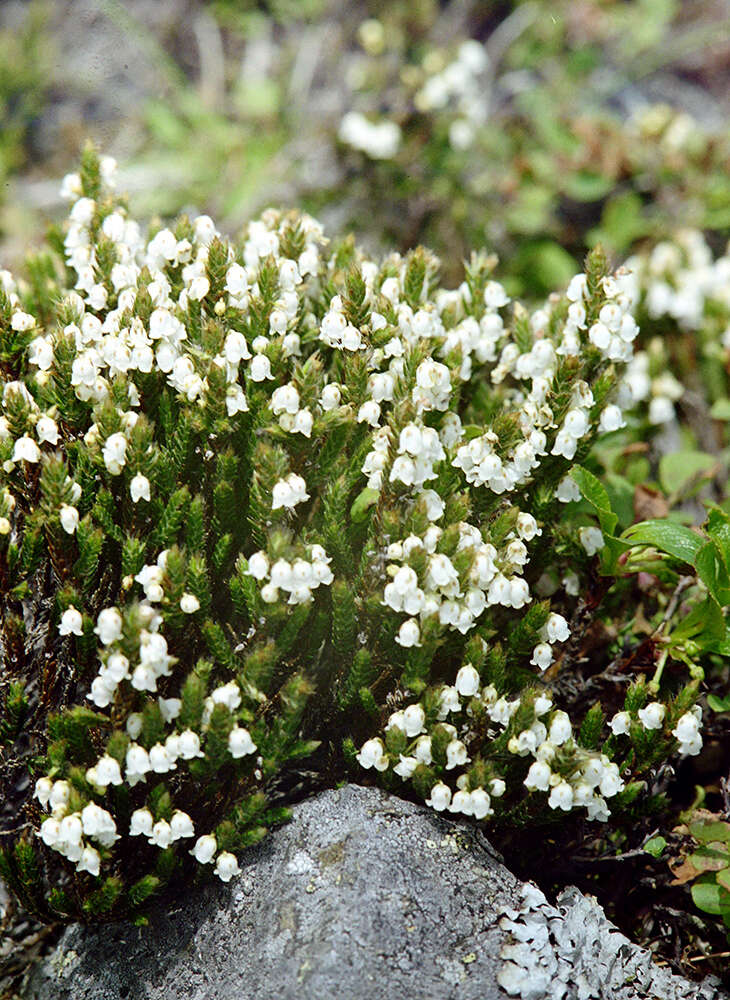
x: 24, y: 74
x: 555, y: 144
x: 558, y: 148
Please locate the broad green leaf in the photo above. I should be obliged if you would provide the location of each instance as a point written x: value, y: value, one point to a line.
x: 718, y: 528
x: 531, y: 209
x: 708, y: 833
x: 595, y: 493
x: 547, y: 263
x: 712, y: 571
x: 638, y: 470
x: 622, y: 222
x: 655, y: 846
x: 710, y: 897
x: 721, y: 409
x: 705, y: 624
x: 169, y: 128
x: 721, y: 647
x: 587, y: 186
x: 679, y: 468
x: 718, y: 704
x: 723, y: 878
x: 674, y: 539
x: 716, y: 219
x: 706, y: 859
x: 621, y: 495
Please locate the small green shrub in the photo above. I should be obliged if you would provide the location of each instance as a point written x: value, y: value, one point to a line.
x: 273, y: 499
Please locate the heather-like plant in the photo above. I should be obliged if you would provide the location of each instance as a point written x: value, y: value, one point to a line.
x: 273, y: 499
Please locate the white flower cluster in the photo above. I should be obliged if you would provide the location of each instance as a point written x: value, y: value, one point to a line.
x: 109, y: 339
x: 670, y: 129
x: 41, y: 428
x: 69, y: 833
x: 554, y: 630
x: 681, y: 283
x: 482, y: 466
x: 457, y: 350
x: 419, y: 449
x: 458, y: 86
x: 615, y: 330
x: 411, y: 459
x: 118, y: 632
x: 612, y: 334
x: 678, y: 279
x: 477, y: 341
x: 687, y: 732
x: 466, y: 347
x: 298, y: 578
x: 153, y: 660
x: 651, y: 717
x: 286, y: 406
x: 379, y: 140
x: 64, y: 831
x: 660, y: 389
x: 113, y: 345
x: 161, y: 833
x: 571, y: 776
x: 289, y: 492
x: 335, y: 331
x: 457, y: 599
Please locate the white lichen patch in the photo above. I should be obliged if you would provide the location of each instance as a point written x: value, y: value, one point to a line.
x: 64, y: 962
x: 572, y: 952
x: 300, y: 864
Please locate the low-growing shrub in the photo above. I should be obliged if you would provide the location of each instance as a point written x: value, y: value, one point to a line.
x: 271, y: 499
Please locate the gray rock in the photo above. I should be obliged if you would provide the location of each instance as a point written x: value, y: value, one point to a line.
x: 363, y: 896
